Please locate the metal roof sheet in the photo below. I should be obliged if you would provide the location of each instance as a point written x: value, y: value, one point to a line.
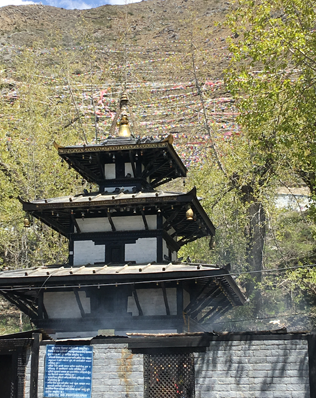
x: 112, y: 196
x: 125, y: 269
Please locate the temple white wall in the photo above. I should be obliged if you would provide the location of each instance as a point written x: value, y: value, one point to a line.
x: 129, y: 169
x: 152, y: 302
x: 143, y: 251
x: 109, y: 171
x: 165, y: 250
x: 129, y: 223
x: 86, y: 252
x: 64, y: 304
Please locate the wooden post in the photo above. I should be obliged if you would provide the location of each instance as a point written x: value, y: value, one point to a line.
x: 37, y: 337
x: 312, y: 363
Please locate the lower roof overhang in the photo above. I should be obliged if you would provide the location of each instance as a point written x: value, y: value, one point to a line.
x: 213, y: 290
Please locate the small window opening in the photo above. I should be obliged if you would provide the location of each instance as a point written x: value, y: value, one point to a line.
x: 169, y: 375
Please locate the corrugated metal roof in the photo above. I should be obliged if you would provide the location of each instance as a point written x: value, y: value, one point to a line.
x: 126, y: 269
x: 112, y: 196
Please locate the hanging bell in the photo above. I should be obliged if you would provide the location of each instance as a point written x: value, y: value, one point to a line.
x: 27, y: 222
x: 189, y: 214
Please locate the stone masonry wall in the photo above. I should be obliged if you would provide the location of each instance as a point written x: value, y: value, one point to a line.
x: 253, y: 369
x: 228, y: 369
x: 116, y: 372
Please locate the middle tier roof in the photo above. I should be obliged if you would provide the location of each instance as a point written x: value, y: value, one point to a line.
x: 61, y: 213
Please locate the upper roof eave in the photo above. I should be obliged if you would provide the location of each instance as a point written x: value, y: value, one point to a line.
x: 166, y: 143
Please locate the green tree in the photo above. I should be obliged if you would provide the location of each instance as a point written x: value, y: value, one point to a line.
x: 272, y: 77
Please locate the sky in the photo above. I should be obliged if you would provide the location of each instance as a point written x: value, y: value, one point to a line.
x: 68, y: 4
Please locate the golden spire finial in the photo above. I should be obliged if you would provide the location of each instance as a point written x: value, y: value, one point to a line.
x: 124, y: 130
x: 124, y: 100
x: 121, y: 119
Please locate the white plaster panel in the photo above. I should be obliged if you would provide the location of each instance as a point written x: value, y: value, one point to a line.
x: 97, y: 224
x: 152, y: 302
x: 130, y: 223
x: 64, y: 304
x: 174, y: 256
x: 109, y: 171
x: 152, y: 221
x: 129, y: 169
x: 143, y: 251
x: 134, y: 223
x: 86, y: 252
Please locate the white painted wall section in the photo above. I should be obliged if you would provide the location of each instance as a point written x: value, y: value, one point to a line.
x: 143, y: 251
x: 97, y: 224
x: 152, y: 302
x: 130, y: 223
x: 109, y: 171
x: 64, y: 304
x: 129, y: 169
x: 134, y: 223
x: 86, y: 252
x: 165, y: 250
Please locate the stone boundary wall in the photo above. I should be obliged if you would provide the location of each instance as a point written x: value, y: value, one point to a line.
x: 230, y: 367
x: 116, y: 372
x: 253, y: 369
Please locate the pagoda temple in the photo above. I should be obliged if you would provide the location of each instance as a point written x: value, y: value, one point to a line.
x: 123, y: 273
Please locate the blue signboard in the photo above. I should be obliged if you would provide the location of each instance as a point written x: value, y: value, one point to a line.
x: 68, y: 371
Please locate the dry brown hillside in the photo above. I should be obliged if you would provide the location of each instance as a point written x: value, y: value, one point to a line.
x: 152, y: 25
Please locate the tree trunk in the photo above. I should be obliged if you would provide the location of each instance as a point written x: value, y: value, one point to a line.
x: 255, y: 236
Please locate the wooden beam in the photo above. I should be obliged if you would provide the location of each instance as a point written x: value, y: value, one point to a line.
x: 111, y: 221
x: 170, y: 242
x: 101, y: 167
x: 205, y: 303
x: 165, y: 298
x: 161, y: 182
x: 155, y: 169
x: 192, y: 239
x: 169, y: 220
x: 20, y: 305
x: 157, y: 180
x: 151, y: 163
x: 218, y: 312
x: 79, y: 303
x: 37, y: 337
x: 131, y: 158
x: 144, y: 219
x: 187, y: 239
x: 79, y: 166
x: 73, y: 219
x: 188, y: 307
x: 52, y: 223
x: 140, y: 311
